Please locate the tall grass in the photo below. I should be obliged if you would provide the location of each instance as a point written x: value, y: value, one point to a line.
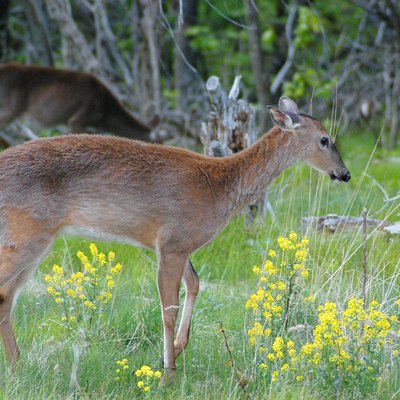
x: 57, y: 365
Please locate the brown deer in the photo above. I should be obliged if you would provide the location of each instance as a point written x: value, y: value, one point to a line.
x: 54, y: 97
x: 168, y: 199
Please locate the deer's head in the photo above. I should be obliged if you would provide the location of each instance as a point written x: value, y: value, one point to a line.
x: 316, y: 147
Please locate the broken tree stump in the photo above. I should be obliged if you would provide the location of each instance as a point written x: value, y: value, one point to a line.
x: 231, y: 122
x: 230, y: 128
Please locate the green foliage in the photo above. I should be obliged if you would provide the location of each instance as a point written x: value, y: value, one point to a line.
x: 268, y: 39
x: 304, y: 83
x: 307, y: 27
x: 202, y: 38
x: 170, y: 96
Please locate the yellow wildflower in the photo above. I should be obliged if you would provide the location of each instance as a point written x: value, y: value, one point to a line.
x: 301, y: 255
x: 93, y: 249
x: 305, y: 241
x: 272, y: 253
x: 305, y: 274
x: 271, y: 357
x: 285, y: 367
x: 256, y: 270
x: 284, y: 243
x: 293, y: 236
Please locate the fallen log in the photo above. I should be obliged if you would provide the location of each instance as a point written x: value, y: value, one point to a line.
x: 333, y: 222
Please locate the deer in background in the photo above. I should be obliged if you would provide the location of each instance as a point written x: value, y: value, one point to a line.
x: 54, y: 97
x: 164, y: 198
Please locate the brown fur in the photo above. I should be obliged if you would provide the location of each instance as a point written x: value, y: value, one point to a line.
x: 54, y: 96
x: 168, y: 199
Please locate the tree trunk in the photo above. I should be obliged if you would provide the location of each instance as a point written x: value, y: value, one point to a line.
x: 76, y: 49
x: 39, y: 32
x: 257, y: 60
x: 4, y: 13
x: 185, y: 57
x: 149, y: 28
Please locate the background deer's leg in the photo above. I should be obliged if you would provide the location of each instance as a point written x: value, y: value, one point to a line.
x: 191, y: 282
x: 170, y: 272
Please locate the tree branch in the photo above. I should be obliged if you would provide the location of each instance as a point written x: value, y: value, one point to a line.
x: 291, y: 51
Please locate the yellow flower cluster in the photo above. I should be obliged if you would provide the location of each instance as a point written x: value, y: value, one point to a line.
x: 290, y: 243
x: 90, y: 289
x: 146, y: 375
x: 347, y: 341
x: 282, y: 359
x: 122, y: 369
x: 342, y: 339
x: 273, y: 290
x: 353, y: 344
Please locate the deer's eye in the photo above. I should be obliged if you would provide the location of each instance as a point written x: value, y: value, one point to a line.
x: 324, y: 141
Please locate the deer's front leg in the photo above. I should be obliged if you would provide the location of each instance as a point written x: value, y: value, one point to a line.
x: 169, y: 278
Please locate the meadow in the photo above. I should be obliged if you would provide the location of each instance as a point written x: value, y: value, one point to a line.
x: 95, y: 356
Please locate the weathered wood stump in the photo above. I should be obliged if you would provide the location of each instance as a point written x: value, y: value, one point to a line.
x: 231, y: 122
x: 231, y: 127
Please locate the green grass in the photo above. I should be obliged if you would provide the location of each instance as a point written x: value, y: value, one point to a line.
x: 225, y: 268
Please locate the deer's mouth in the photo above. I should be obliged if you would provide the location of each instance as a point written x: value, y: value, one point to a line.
x: 343, y: 178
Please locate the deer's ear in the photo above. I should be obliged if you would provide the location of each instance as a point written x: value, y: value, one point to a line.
x: 287, y: 104
x: 285, y: 120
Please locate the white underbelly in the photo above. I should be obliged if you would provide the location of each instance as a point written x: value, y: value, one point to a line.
x: 97, y: 234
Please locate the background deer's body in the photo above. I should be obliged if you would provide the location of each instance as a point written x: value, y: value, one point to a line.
x: 168, y: 199
x: 54, y: 97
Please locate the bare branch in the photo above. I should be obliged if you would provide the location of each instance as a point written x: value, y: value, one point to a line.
x: 291, y: 51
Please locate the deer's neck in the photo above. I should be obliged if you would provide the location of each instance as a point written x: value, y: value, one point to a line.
x: 120, y: 121
x: 254, y: 168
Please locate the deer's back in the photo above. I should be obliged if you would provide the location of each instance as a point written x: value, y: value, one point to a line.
x: 50, y: 96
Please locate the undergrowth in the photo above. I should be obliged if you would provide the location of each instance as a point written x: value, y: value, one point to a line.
x: 312, y: 326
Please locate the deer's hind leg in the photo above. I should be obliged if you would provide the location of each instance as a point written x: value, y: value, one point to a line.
x: 8, y: 295
x: 20, y: 267
x: 191, y: 282
x: 17, y: 265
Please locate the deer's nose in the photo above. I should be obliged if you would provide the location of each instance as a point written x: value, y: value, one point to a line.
x: 346, y: 177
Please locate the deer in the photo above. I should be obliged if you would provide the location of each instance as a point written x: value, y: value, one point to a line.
x: 53, y: 97
x: 168, y: 199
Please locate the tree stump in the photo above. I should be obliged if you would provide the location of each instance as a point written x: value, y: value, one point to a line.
x: 231, y: 122
x: 230, y: 128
